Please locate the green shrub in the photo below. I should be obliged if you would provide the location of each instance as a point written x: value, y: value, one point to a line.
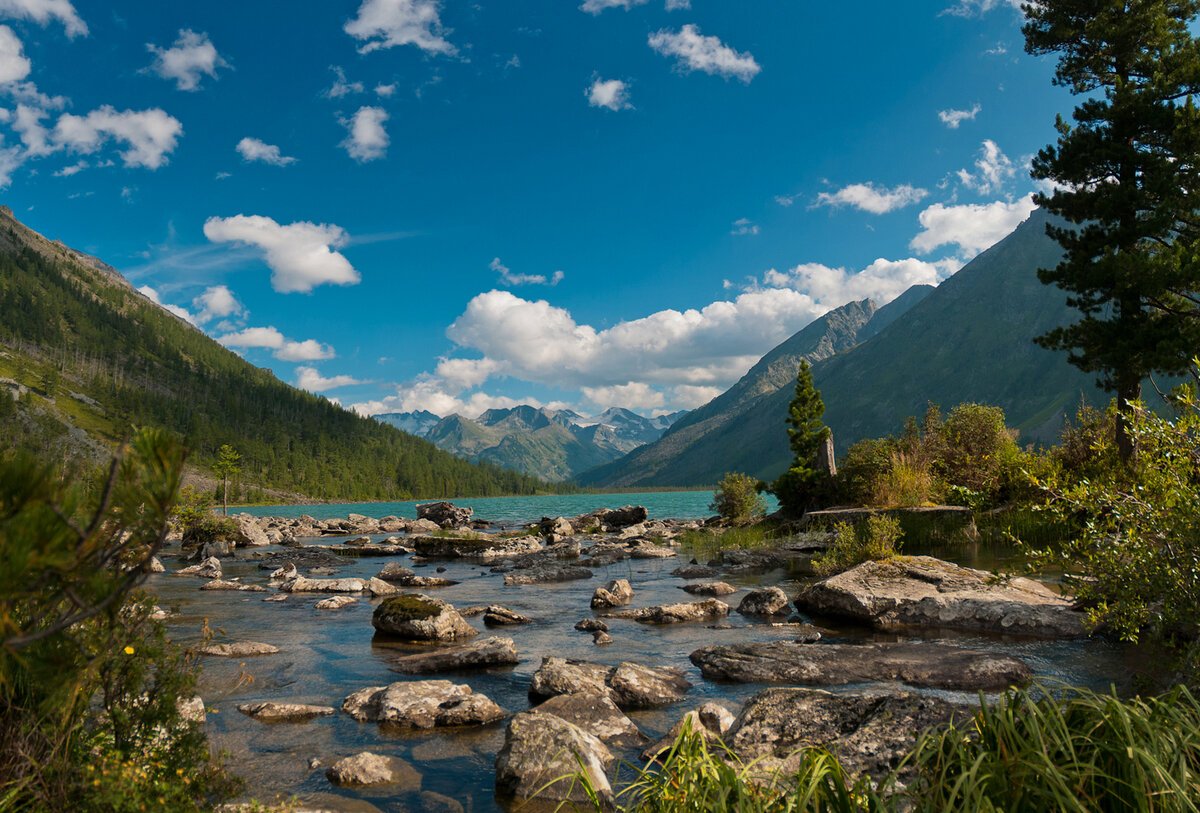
x: 866, y: 463
x: 907, y: 483
x: 978, y: 448
x: 196, y: 521
x: 737, y: 499
x: 878, y: 537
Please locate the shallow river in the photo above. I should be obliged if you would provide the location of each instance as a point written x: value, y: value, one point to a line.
x: 326, y: 655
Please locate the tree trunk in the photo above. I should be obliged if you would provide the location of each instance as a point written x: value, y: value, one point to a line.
x: 1128, y: 390
x: 225, y: 496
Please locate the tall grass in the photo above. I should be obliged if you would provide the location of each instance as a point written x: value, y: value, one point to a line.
x: 1035, y: 749
x: 708, y: 544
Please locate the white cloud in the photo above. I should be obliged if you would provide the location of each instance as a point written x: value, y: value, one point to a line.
x: 868, y: 197
x: 150, y: 135
x: 975, y: 8
x: 743, y: 227
x: 388, y: 23
x: 597, y: 6
x: 952, y: 118
x: 366, y: 138
x: 307, y: 378
x: 216, y: 302
x: 285, y: 349
x: 192, y: 57
x: 385, y: 91
x: 254, y: 149
x: 882, y: 280
x: 72, y: 169
x: 340, y: 86
x: 465, y: 374
x: 971, y: 227
x: 632, y: 395
x: 43, y: 11
x: 687, y: 396
x: 508, y: 277
x: 14, y: 65
x: 696, y: 52
x: 786, y: 200
x: 993, y: 170
x: 430, y: 394
x: 610, y: 93
x: 300, y: 255
x: 153, y: 296
x: 679, y: 5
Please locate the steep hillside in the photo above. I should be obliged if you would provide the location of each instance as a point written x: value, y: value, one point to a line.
x: 970, y: 339
x: 89, y: 356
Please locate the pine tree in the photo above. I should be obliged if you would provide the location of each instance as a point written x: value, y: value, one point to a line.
x: 1126, y: 174
x: 229, y: 463
x: 799, y: 486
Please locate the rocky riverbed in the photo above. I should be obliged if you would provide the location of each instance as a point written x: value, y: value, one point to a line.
x: 442, y: 664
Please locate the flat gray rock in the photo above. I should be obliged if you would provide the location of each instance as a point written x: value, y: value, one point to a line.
x: 476, y: 655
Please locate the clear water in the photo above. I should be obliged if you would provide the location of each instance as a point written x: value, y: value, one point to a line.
x: 326, y: 655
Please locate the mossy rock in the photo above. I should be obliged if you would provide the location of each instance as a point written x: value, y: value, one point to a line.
x: 409, y: 608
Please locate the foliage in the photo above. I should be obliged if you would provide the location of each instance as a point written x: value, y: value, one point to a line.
x: 1126, y: 175
x: 146, y: 367
x: 906, y: 483
x: 1137, y: 539
x: 737, y: 498
x: 89, y: 685
x: 197, y: 523
x: 876, y: 538
x: 976, y: 449
x: 865, y: 464
x: 227, y: 465
x: 707, y: 544
x: 799, y: 488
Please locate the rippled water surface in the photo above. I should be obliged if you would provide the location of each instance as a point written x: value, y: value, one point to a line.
x: 326, y: 655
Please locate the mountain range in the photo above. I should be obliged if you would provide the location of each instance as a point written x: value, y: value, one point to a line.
x: 969, y: 339
x: 553, y: 444
x: 84, y: 356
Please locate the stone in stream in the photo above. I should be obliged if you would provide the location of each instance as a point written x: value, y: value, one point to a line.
x: 394, y: 571
x: 155, y: 565
x: 367, y: 769
x: 649, y: 550
x: 601, y: 638
x: 302, y: 584
x: 433, y: 802
x: 420, y: 618
x: 547, y: 574
x: 616, y: 593
x: 248, y: 533
x: 210, y: 568
x: 422, y: 704
x: 591, y: 625
x: 921, y: 591
x: 475, y: 655
x: 868, y: 732
x: 709, y: 589
x: 222, y: 584
x: 711, y: 722
x: 556, y: 529
x: 335, y: 603
x: 925, y: 665
x: 479, y: 548
x: 542, y: 754
x: 596, y: 713
x: 444, y: 514
x: 238, y: 649
x: 629, y: 685
x: 695, y: 571
x: 284, y: 712
x: 677, y: 613
x: 497, y: 616
x: 768, y: 601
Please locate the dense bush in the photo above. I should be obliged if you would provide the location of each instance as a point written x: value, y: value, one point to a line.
x: 737, y: 499
x: 197, y: 523
x: 89, y: 686
x: 876, y: 538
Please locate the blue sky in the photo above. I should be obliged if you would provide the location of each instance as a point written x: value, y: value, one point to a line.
x: 411, y: 204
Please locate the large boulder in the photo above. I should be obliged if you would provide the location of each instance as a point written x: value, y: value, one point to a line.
x: 238, y: 649
x: 249, y: 533
x: 367, y: 769
x: 596, y: 713
x: 628, y: 685
x: 497, y: 616
x: 303, y: 584
x: 420, y: 618
x: 921, y: 591
x: 209, y: 568
x: 548, y: 574
x: 556, y: 529
x: 479, y: 549
x: 868, y: 732
x: 541, y: 756
x: 710, y: 589
x: 284, y: 712
x: 222, y: 584
x: 917, y: 664
x: 616, y: 593
x: 614, y: 519
x: 476, y: 655
x: 706, y: 610
x: 767, y: 601
x: 422, y: 704
x: 445, y: 514
x: 710, y: 722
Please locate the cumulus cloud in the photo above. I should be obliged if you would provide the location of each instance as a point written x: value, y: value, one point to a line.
x: 388, y: 23
x: 14, y: 65
x: 308, y: 378
x: 217, y: 302
x: 610, y: 93
x: 993, y: 170
x: 696, y: 52
x: 192, y: 57
x: 433, y: 396
x: 687, y: 396
x: 300, y: 255
x: 284, y: 349
x: 153, y: 296
x: 882, y: 280
x: 385, y: 91
x: 972, y: 227
x: 679, y: 5
x: 868, y: 197
x: 254, y: 149
x: 632, y: 395
x: 340, y: 86
x: 952, y: 118
x: 149, y: 135
x: 743, y: 227
x: 509, y: 277
x: 597, y: 6
x: 465, y: 374
x: 976, y: 8
x: 366, y: 138
x: 43, y: 11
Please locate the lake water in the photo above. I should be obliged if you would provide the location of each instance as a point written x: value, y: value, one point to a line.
x: 327, y: 655
x: 514, y: 510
